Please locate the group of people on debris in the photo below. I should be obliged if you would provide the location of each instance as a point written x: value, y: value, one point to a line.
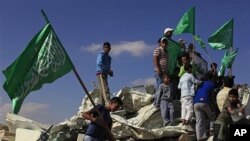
x: 214, y: 105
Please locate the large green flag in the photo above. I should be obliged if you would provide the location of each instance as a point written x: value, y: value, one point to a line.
x: 174, y: 51
x: 223, y: 37
x: 227, y: 61
x: 187, y: 23
x: 43, y: 61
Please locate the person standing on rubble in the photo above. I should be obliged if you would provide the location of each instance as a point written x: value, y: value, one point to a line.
x: 204, y: 114
x: 186, y: 84
x: 97, y: 128
x: 102, y: 72
x: 160, y: 60
x: 164, y: 99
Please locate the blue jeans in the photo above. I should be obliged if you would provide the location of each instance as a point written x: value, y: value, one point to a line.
x: 158, y: 79
x: 167, y: 112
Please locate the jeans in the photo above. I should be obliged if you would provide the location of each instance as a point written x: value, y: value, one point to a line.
x: 158, y: 79
x: 167, y: 112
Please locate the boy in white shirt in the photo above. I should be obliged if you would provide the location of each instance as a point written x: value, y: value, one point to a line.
x: 186, y: 84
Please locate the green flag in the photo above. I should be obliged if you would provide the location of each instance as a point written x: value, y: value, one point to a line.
x: 174, y: 51
x: 202, y: 44
x: 199, y: 40
x: 187, y: 23
x: 43, y: 61
x: 227, y: 61
x: 223, y: 37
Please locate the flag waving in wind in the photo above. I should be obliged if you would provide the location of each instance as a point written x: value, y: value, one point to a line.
x: 187, y: 23
x: 43, y: 61
x: 227, y: 61
x: 223, y: 37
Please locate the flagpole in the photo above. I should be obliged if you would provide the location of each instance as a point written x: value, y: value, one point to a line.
x: 45, y: 17
x: 230, y: 50
x: 81, y: 82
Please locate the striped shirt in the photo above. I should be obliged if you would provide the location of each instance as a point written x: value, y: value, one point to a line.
x: 161, y: 55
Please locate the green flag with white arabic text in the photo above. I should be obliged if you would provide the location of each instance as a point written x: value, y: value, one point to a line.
x: 43, y: 61
x: 187, y: 23
x: 223, y: 37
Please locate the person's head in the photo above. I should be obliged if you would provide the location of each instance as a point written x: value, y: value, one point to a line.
x: 168, y: 32
x: 164, y: 42
x: 229, y: 82
x: 159, y: 41
x: 188, y: 68
x: 185, y: 59
x: 166, y: 79
x: 213, y: 66
x: 182, y: 43
x: 233, y: 95
x: 114, y: 104
x: 190, y: 47
x: 106, y: 47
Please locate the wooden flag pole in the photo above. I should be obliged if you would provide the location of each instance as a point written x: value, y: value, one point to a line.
x: 84, y: 88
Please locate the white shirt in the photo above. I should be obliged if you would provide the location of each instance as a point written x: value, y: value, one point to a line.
x: 186, y: 84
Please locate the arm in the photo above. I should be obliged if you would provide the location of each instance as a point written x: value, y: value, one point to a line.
x: 156, y: 62
x: 99, y: 61
x: 101, y: 64
x: 241, y: 108
x: 182, y: 71
x: 157, y: 65
x: 99, y: 120
x: 230, y: 110
x: 89, y: 115
x: 179, y: 85
x: 194, y: 80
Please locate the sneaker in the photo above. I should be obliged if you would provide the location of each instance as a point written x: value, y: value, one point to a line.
x: 166, y: 124
x: 169, y: 124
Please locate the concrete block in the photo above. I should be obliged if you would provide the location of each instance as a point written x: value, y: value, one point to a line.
x: 27, y: 135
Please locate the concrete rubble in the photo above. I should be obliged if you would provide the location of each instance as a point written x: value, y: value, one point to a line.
x: 138, y: 120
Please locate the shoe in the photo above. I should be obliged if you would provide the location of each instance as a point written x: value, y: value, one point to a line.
x: 169, y: 124
x: 166, y: 124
